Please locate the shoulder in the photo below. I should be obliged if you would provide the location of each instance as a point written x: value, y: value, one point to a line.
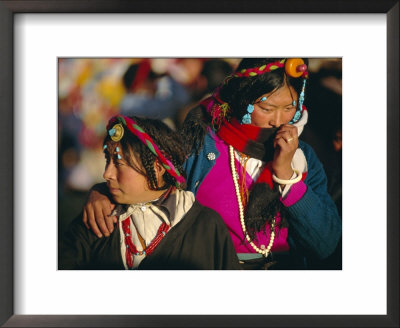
x: 306, y: 148
x: 309, y: 152
x: 316, y: 173
x: 78, y: 231
x: 199, y: 222
x: 203, y: 215
x: 200, y: 162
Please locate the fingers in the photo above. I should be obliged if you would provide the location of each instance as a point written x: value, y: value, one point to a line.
x: 113, y: 218
x: 96, y: 214
x: 289, y: 134
x: 109, y: 222
x: 93, y: 224
x: 84, y: 219
x: 281, y: 143
x: 100, y: 220
x: 285, y: 141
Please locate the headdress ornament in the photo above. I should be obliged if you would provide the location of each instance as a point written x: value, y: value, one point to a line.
x: 117, y: 123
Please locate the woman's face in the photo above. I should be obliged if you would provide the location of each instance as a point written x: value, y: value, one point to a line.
x: 126, y: 185
x: 277, y: 110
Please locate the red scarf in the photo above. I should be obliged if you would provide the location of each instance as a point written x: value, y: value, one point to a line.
x: 252, y: 141
x: 264, y: 198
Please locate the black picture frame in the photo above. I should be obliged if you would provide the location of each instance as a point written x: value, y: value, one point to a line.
x: 7, y: 197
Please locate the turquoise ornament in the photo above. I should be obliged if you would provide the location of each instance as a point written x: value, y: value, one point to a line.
x: 246, y: 119
x: 297, y: 116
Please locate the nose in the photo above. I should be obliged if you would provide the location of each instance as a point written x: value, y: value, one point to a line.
x: 109, y: 171
x: 276, y: 120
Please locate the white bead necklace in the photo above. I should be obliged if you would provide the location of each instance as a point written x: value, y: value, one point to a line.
x: 235, y: 178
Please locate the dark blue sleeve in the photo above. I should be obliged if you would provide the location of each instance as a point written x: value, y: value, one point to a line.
x: 197, y: 166
x: 314, y: 224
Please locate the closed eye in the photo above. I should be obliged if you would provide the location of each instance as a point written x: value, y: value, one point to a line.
x: 266, y: 109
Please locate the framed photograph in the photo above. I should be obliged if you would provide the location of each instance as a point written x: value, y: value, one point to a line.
x: 35, y: 34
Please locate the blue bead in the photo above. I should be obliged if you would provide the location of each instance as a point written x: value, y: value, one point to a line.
x: 246, y: 119
x: 119, y: 156
x: 117, y: 149
x: 111, y: 132
x: 294, y: 102
x: 263, y: 99
x: 250, y: 108
x: 105, y: 147
x: 296, y: 117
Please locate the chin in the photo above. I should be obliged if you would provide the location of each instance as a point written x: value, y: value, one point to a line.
x: 117, y: 199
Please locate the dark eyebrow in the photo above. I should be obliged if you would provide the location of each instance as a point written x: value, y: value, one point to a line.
x: 275, y: 106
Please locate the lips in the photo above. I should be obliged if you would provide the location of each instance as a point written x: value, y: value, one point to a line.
x: 113, y: 190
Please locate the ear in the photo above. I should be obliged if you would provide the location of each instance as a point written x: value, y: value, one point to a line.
x: 160, y: 170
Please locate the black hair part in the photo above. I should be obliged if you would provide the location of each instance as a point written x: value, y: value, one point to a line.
x: 168, y: 141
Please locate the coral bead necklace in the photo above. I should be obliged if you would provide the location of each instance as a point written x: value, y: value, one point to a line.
x: 131, y: 249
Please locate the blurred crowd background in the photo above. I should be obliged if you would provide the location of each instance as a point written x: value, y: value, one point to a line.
x: 91, y: 90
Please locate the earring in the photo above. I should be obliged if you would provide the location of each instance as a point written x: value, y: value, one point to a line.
x: 117, y: 150
x: 263, y: 99
x: 296, y: 116
x: 246, y: 119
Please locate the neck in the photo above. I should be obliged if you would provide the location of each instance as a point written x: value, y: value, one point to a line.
x: 151, y: 196
x: 158, y: 194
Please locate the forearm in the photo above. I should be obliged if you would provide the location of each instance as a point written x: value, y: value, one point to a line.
x: 315, y: 223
